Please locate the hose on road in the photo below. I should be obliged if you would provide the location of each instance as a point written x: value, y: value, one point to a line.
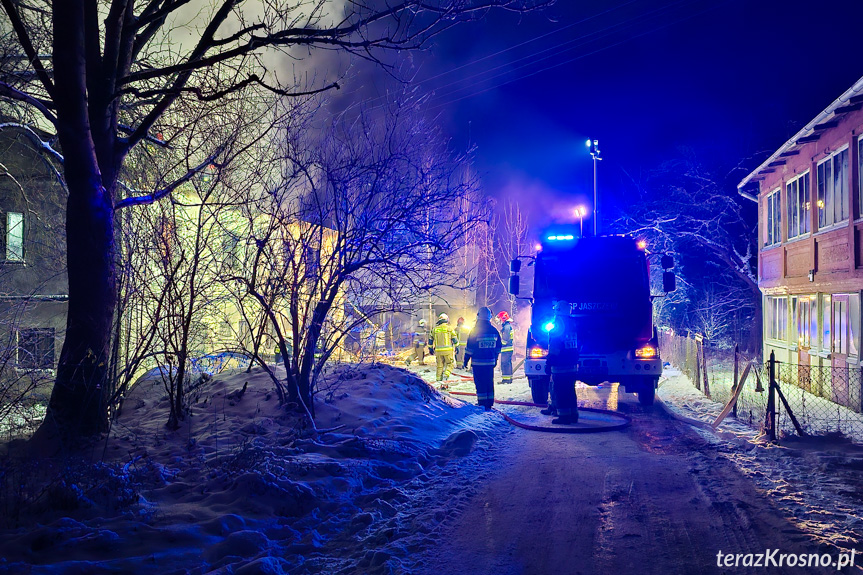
x: 626, y: 420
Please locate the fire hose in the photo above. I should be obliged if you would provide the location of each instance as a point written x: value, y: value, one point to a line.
x: 626, y: 420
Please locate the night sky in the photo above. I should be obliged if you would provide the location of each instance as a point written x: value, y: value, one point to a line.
x: 731, y: 80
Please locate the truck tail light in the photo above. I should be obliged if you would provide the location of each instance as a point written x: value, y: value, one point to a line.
x: 537, y: 352
x: 646, y: 352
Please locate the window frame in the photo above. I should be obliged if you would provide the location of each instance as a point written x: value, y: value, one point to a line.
x: 798, y: 209
x: 49, y: 334
x: 777, y: 319
x: 827, y: 196
x: 8, y: 254
x: 773, y: 218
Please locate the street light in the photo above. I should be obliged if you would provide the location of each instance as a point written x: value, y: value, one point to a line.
x: 580, y: 212
x: 593, y: 146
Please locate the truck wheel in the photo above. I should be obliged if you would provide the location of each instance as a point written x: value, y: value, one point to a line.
x: 647, y: 391
x: 539, y: 389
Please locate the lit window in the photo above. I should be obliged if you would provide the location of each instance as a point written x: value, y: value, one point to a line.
x: 797, y: 195
x: 15, y: 237
x: 833, y: 189
x: 772, y: 234
x: 803, y: 314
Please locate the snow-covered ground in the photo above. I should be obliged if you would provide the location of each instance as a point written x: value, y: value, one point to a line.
x: 241, y: 489
x: 816, y: 481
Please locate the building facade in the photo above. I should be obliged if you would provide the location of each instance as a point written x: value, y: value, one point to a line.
x: 33, y: 284
x: 810, y: 261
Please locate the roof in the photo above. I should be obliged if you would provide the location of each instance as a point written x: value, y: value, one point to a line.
x: 850, y: 101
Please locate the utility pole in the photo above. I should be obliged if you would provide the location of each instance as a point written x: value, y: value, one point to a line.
x: 593, y: 146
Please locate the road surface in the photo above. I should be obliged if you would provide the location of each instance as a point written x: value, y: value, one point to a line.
x: 653, y: 499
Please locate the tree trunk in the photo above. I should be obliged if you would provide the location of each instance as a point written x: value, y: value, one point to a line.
x: 78, y: 401
x: 78, y: 405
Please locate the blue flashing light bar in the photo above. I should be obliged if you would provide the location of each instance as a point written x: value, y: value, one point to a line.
x: 566, y: 237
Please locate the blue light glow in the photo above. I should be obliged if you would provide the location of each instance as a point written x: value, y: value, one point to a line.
x: 548, y: 326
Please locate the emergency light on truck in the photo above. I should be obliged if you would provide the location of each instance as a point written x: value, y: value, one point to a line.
x: 537, y: 352
x: 646, y: 352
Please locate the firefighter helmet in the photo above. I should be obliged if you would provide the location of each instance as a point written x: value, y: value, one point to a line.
x: 483, y: 313
x: 503, y: 316
x: 443, y: 317
x: 422, y: 323
x: 460, y: 320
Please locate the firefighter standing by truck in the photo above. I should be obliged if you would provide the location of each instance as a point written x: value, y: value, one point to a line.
x: 481, y: 351
x: 507, y: 336
x: 444, y: 340
x: 563, y: 361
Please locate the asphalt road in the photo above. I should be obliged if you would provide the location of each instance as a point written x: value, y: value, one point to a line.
x: 655, y: 498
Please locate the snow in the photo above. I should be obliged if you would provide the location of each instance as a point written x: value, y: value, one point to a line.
x: 242, y: 487
x: 815, y: 481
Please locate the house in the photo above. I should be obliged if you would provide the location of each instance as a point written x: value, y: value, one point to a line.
x: 810, y: 261
x: 33, y: 285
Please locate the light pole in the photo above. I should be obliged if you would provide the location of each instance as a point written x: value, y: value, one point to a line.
x: 593, y: 146
x: 580, y: 212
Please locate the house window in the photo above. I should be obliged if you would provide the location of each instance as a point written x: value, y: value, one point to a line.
x: 826, y: 317
x: 797, y: 195
x: 774, y: 218
x: 840, y: 324
x: 802, y: 307
x: 854, y: 324
x: 14, y: 237
x: 36, y: 348
x: 833, y: 189
x: 777, y: 318
x: 860, y: 176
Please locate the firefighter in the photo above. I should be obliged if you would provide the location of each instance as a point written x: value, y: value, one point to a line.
x: 483, y: 347
x: 507, y: 334
x: 444, y: 340
x: 461, y: 331
x: 563, y: 361
x: 418, y: 342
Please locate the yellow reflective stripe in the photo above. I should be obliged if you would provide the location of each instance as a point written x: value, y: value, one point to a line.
x: 482, y: 361
x: 485, y: 396
x: 503, y: 349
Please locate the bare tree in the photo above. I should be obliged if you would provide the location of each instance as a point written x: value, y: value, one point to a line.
x: 114, y: 78
x: 685, y: 210
x: 371, y: 213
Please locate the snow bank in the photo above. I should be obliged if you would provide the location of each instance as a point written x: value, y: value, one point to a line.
x: 244, y: 488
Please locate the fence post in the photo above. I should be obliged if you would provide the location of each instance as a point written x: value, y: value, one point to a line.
x: 770, y: 416
x: 698, y: 350
x: 704, y: 366
x: 736, y: 382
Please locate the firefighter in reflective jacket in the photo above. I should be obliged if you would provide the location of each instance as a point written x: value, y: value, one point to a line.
x: 507, y: 334
x: 483, y: 347
x: 563, y: 361
x: 443, y: 339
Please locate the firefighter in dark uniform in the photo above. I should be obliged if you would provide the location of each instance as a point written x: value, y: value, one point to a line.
x: 482, y: 349
x: 507, y: 334
x: 563, y: 361
x: 462, y: 331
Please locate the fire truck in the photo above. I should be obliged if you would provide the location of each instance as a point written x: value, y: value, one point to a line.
x: 604, y: 284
